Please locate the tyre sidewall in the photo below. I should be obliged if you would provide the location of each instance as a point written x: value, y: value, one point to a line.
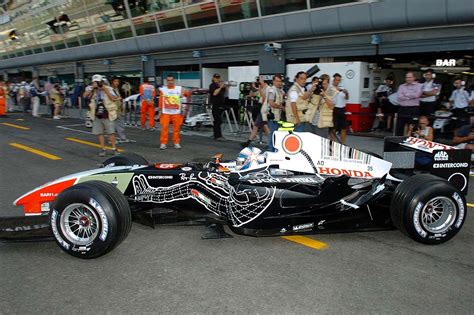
x: 103, y: 209
x: 412, y: 221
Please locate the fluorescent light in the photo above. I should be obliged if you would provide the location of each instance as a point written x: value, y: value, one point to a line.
x: 389, y: 59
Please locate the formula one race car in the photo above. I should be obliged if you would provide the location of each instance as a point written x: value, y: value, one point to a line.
x: 309, y: 185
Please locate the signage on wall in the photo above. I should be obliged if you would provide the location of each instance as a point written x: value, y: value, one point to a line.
x: 446, y: 62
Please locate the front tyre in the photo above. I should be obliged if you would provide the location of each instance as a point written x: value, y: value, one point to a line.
x: 428, y: 209
x: 90, y: 219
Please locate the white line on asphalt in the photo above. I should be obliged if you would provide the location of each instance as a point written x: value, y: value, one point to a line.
x: 72, y: 129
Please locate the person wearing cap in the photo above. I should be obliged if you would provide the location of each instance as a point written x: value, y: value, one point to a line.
x: 431, y: 91
x: 147, y: 95
x: 103, y: 111
x: 57, y: 100
x: 172, y: 111
x: 217, y: 91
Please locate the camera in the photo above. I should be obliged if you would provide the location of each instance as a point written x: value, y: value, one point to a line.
x: 273, y: 46
x: 100, y: 84
x: 230, y: 83
x: 319, y: 87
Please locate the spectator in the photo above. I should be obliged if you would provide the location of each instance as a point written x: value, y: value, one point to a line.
x: 385, y: 108
x: 57, y: 100
x: 273, y: 107
x: 408, y: 96
x: 148, y: 94
x: 422, y: 130
x: 24, y: 96
x: 3, y: 101
x: 464, y: 137
x: 103, y: 111
x: 430, y: 94
x: 459, y: 103
x: 260, y: 93
x: 297, y: 102
x: 217, y: 91
x: 120, y: 121
x: 339, y: 113
x: 171, y: 107
x: 35, y: 93
x: 126, y: 89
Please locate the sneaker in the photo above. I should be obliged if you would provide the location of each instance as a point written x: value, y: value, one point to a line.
x: 163, y: 146
x: 102, y: 153
x: 143, y: 128
x: 125, y: 140
x: 221, y: 139
x: 177, y: 146
x: 152, y: 129
x: 57, y: 117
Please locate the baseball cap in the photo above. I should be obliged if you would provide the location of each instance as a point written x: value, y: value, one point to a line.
x: 97, y: 78
x: 216, y: 75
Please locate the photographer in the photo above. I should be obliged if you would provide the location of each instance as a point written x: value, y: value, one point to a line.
x: 297, y: 102
x: 422, y: 130
x: 320, y: 112
x: 217, y: 91
x: 103, y: 111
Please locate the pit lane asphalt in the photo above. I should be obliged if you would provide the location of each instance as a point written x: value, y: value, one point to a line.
x: 170, y: 269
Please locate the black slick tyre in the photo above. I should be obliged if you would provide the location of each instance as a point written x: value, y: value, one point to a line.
x: 428, y: 209
x: 126, y: 159
x: 90, y: 219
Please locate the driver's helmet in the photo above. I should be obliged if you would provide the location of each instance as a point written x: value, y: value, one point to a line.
x: 249, y: 158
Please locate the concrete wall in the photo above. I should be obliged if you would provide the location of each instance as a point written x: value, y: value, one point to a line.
x: 370, y: 17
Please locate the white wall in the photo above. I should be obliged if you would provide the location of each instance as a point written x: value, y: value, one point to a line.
x: 207, y: 74
x: 241, y: 74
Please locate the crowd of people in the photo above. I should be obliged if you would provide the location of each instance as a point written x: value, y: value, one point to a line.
x: 318, y: 107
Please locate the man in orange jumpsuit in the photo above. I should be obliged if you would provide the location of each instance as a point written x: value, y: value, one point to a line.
x: 171, y: 107
x: 148, y: 94
x: 2, y: 99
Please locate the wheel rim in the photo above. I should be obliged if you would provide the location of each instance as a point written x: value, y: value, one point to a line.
x: 438, y: 214
x: 79, y: 224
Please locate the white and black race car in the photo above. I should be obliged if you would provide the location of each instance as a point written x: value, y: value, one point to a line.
x: 309, y: 185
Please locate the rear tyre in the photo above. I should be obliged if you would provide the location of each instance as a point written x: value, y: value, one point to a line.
x: 126, y: 159
x: 428, y: 209
x: 90, y: 219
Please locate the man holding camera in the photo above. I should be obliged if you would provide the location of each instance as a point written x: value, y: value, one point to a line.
x: 217, y: 91
x: 103, y: 111
x: 297, y: 102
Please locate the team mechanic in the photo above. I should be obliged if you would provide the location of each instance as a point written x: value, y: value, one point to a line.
x: 172, y: 111
x: 147, y: 94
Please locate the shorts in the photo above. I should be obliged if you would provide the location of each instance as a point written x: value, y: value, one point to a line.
x: 339, y: 118
x: 259, y: 123
x: 103, y: 126
x: 388, y: 108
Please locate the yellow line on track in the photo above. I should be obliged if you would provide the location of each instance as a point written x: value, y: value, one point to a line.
x: 306, y: 241
x: 20, y: 119
x: 92, y: 144
x: 16, y: 126
x: 35, y: 151
x: 470, y: 205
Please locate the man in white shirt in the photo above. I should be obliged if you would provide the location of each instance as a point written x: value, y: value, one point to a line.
x: 297, y: 103
x: 459, y: 102
x: 339, y: 112
x: 430, y: 94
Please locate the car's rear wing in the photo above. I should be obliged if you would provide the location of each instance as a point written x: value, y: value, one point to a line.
x: 439, y: 159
